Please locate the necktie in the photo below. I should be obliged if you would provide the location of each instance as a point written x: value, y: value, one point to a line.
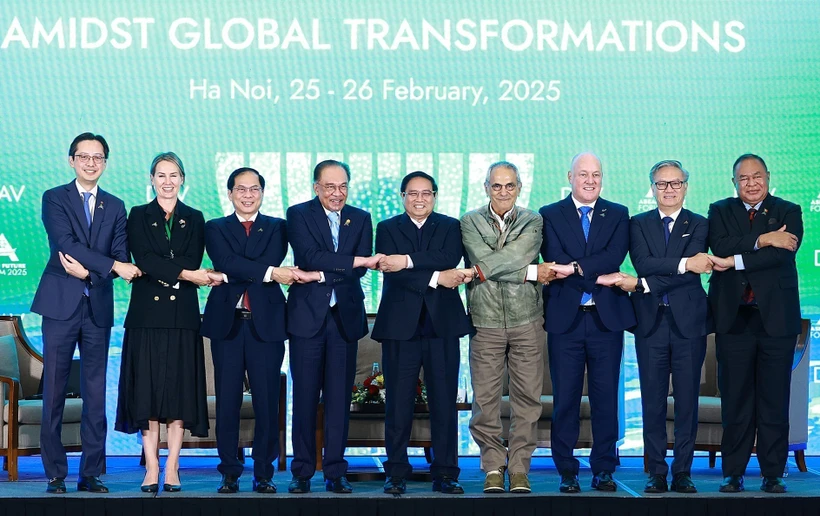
x: 748, y: 297
x: 87, y: 210
x: 586, y: 297
x: 333, y: 218
x: 666, y: 233
x: 246, y: 302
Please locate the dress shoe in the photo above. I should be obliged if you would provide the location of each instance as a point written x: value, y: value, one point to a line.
x: 519, y: 483
x: 175, y: 488
x: 338, y: 485
x: 299, y: 485
x: 569, y: 483
x: 773, y: 485
x: 56, y: 486
x: 656, y: 484
x: 149, y: 488
x: 494, y: 481
x: 264, y: 485
x: 394, y: 485
x: 447, y: 485
x: 603, y: 481
x: 229, y: 484
x: 682, y: 483
x: 732, y: 484
x: 91, y: 484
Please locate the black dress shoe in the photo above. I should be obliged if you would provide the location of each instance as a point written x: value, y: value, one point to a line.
x: 229, y: 484
x: 264, y: 485
x: 656, y: 484
x: 149, y: 488
x: 173, y: 488
x: 447, y: 485
x: 338, y: 485
x: 91, y: 484
x: 773, y: 485
x: 56, y: 486
x: 569, y: 483
x: 682, y: 483
x: 732, y: 484
x: 394, y: 485
x: 603, y: 481
x: 299, y: 485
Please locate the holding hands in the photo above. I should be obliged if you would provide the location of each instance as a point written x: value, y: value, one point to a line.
x: 452, y: 278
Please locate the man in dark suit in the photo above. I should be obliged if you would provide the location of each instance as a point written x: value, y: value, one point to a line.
x: 668, y: 250
x: 420, y: 320
x: 332, y: 246
x: 86, y: 230
x: 245, y: 320
x: 587, y: 237
x: 756, y: 306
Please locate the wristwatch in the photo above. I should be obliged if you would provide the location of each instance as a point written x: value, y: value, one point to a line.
x: 639, y: 286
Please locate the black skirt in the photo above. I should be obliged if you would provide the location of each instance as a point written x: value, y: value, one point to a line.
x: 162, y: 378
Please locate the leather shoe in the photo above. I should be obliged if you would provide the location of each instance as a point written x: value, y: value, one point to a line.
x: 56, y: 486
x: 91, y: 484
x: 299, y: 485
x: 773, y: 485
x: 447, y: 485
x: 149, y: 488
x: 229, y: 485
x: 174, y: 488
x: 732, y: 484
x: 569, y: 483
x: 682, y: 483
x: 656, y: 484
x: 603, y: 481
x: 264, y: 485
x: 394, y: 485
x: 338, y: 485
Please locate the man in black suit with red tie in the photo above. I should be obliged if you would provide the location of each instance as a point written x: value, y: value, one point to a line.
x: 756, y: 306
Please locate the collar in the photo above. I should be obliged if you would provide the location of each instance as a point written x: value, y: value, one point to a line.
x: 510, y: 215
x: 578, y: 203
x: 674, y: 215
x: 81, y: 191
x: 756, y: 206
x: 417, y: 223
x: 251, y: 219
x: 327, y: 211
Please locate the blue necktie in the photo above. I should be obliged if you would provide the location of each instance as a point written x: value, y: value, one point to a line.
x: 666, y: 233
x: 87, y: 210
x: 333, y: 217
x: 585, y: 226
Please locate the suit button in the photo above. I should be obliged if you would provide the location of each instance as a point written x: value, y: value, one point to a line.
x: 173, y: 298
x: 156, y: 298
x: 328, y: 294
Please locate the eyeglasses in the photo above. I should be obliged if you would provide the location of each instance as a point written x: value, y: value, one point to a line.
x: 330, y: 188
x: 241, y: 190
x: 663, y: 185
x: 510, y: 187
x: 415, y: 194
x: 85, y: 158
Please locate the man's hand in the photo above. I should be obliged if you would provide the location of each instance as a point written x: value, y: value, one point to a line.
x: 73, y: 267
x: 722, y: 264
x: 699, y: 264
x: 546, y: 273
x: 609, y: 280
x: 305, y: 276
x: 627, y: 283
x: 215, y: 277
x: 562, y: 271
x: 284, y: 275
x: 451, y: 278
x: 371, y: 262
x: 393, y: 263
x: 127, y: 271
x: 199, y: 277
x: 469, y: 274
x: 780, y: 238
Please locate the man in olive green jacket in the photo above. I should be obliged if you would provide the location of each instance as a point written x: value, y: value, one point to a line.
x: 502, y: 243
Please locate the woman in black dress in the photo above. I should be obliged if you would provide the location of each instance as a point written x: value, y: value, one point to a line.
x: 162, y: 376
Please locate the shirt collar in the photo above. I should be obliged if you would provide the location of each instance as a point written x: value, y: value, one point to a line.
x: 507, y: 216
x: 756, y: 206
x: 578, y: 203
x: 674, y: 216
x: 93, y: 190
x: 417, y: 223
x: 252, y: 219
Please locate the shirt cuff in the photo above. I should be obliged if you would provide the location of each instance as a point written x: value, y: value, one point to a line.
x: 434, y: 280
x: 645, y: 286
x: 532, y: 272
x: 410, y: 263
x: 224, y: 278
x: 739, y: 263
x: 268, y: 275
x: 682, y: 266
x: 757, y: 247
x: 321, y: 277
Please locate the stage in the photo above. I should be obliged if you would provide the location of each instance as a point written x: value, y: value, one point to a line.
x: 200, y: 479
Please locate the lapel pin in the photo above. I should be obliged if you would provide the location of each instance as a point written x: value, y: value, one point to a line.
x: 182, y: 223
x: 154, y: 224
x: 259, y: 230
x: 603, y: 213
x: 685, y: 222
x: 347, y: 222
x: 101, y: 206
x: 765, y: 211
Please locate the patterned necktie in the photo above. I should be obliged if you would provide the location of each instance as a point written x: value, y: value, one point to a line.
x: 666, y: 233
x: 748, y: 296
x: 333, y: 218
x: 246, y: 302
x: 87, y: 210
x: 586, y: 297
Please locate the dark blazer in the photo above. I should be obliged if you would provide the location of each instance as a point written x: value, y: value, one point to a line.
x: 154, y: 303
x: 58, y: 293
x: 658, y: 263
x: 245, y: 260
x: 602, y: 253
x: 771, y: 271
x: 406, y: 291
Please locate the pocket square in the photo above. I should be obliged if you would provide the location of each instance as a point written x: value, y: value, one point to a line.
x: 685, y: 235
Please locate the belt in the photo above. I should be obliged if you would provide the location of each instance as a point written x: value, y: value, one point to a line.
x: 243, y: 314
x: 588, y: 308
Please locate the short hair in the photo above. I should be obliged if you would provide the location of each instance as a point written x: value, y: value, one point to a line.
x: 418, y: 173
x: 242, y: 170
x: 502, y: 164
x: 744, y: 157
x: 317, y: 170
x: 667, y: 163
x: 169, y: 157
x: 87, y: 137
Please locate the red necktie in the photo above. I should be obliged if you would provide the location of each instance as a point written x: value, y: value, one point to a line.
x: 245, y: 301
x: 748, y: 297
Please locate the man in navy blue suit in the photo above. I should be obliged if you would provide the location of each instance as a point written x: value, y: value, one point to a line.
x: 668, y: 250
x: 332, y: 246
x: 88, y: 249
x: 245, y: 320
x: 587, y: 237
x: 420, y: 320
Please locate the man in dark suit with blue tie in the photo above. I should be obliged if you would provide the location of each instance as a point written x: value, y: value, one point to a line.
x: 88, y: 249
x: 420, y: 321
x: 332, y: 246
x: 668, y: 250
x: 245, y: 320
x: 587, y: 237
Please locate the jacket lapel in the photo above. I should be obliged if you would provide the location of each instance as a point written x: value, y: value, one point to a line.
x: 761, y: 222
x: 430, y: 227
x: 99, y: 214
x: 408, y: 229
x: 76, y: 203
x: 654, y: 232
x: 344, y: 227
x: 678, y: 230
x: 259, y: 232
x: 323, y: 225
x: 598, y: 220
x: 237, y: 230
x: 573, y: 220
x: 741, y: 215
x: 155, y: 221
x: 181, y: 230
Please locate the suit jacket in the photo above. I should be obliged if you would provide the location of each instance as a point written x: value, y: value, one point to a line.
x: 406, y: 291
x: 658, y: 263
x: 245, y: 260
x: 771, y: 271
x: 154, y: 301
x: 309, y: 235
x: 602, y: 253
x: 58, y: 293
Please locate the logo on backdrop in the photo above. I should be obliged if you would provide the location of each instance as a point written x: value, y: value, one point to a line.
x: 11, y: 193
x: 815, y: 204
x: 10, y: 253
x: 648, y: 202
x: 7, y: 250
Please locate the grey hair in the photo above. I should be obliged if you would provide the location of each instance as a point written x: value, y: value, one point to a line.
x: 667, y: 163
x: 502, y: 164
x: 169, y: 157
